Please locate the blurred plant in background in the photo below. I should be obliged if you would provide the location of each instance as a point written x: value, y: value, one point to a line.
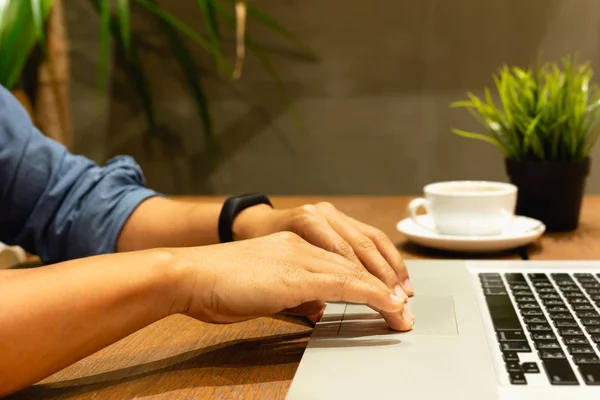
x: 22, y: 29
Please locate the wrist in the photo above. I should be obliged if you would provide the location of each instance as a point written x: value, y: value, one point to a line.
x: 255, y: 221
x: 176, y: 276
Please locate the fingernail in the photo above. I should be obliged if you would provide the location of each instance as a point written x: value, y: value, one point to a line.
x: 397, y: 299
x: 408, y: 285
x: 408, y: 316
x: 399, y: 292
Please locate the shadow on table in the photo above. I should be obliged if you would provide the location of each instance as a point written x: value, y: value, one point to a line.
x: 218, y: 363
x: 414, y: 250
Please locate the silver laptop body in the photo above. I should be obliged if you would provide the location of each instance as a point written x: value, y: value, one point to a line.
x: 456, y: 349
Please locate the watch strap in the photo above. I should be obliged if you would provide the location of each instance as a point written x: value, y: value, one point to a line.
x: 232, y: 207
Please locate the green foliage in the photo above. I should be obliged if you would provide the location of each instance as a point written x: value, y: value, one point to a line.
x: 545, y: 114
x: 22, y: 28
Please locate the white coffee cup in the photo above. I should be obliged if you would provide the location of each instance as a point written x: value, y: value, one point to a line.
x: 467, y: 208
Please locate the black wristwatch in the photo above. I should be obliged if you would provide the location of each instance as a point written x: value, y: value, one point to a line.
x: 232, y: 207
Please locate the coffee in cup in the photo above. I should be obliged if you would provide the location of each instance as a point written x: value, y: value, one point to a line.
x: 467, y: 208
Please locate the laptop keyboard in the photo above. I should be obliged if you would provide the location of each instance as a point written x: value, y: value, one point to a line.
x: 559, y: 321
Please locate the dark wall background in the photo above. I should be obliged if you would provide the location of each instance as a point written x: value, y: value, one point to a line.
x: 375, y: 108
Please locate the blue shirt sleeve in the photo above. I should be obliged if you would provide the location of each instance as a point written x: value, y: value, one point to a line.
x: 55, y: 204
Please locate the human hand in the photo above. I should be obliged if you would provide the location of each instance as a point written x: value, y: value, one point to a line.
x: 330, y: 229
x: 280, y: 272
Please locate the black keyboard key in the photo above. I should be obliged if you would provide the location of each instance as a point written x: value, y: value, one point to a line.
x: 559, y: 372
x: 510, y: 356
x: 590, y: 321
x: 551, y: 354
x: 553, y: 302
x: 570, y: 289
x: 508, y: 336
x: 519, y: 286
x: 570, y: 340
x: 595, y: 338
x: 549, y: 296
x: 530, y: 368
x: 522, y: 293
x: 546, y: 344
x: 561, y: 316
x: 543, y: 336
x: 586, y: 359
x: 503, y: 313
x: 570, y: 332
x: 516, y: 346
x: 561, y: 277
x: 588, y: 314
x: 590, y: 373
x: 561, y: 308
x: 564, y: 323
x: 584, y: 275
x: 514, y: 278
x: 531, y: 312
x: 536, y: 319
x: 495, y: 291
x: 581, y: 349
x: 539, y: 328
x: 591, y: 286
x: 595, y: 297
x: 593, y: 329
x: 583, y: 307
x: 592, y: 292
x: 525, y: 299
x: 538, y: 277
x: 544, y: 290
x: 539, y: 285
x: 579, y: 301
x: 490, y: 276
x: 528, y: 306
x: 517, y: 378
x: 513, y: 367
x: 574, y: 295
x: 492, y: 284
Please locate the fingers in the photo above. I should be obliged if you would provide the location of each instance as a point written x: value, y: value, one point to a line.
x: 313, y: 310
x: 365, y: 249
x: 365, y: 289
x: 389, y: 252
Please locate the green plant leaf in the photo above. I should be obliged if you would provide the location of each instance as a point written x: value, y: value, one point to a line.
x: 479, y: 136
x: 37, y: 9
x: 19, y: 36
x: 125, y: 24
x: 191, y: 74
x: 185, y: 30
x: 209, y: 15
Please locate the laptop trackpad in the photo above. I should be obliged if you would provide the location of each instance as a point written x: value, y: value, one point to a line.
x: 434, y: 315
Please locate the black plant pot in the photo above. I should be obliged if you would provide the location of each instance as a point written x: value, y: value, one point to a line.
x: 550, y: 191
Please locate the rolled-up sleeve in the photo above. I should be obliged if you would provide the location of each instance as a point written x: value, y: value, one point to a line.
x: 55, y: 204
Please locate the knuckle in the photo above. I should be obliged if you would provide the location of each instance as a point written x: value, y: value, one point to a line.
x: 325, y: 205
x: 343, y: 282
x: 342, y: 247
x: 304, y: 215
x: 364, y: 244
x: 379, y: 235
x: 288, y: 237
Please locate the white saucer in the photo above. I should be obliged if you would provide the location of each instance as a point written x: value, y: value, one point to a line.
x: 522, y: 231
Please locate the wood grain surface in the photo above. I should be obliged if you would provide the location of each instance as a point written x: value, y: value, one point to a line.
x: 179, y: 358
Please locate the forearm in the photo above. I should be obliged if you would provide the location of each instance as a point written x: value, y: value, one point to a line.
x: 162, y: 222
x: 53, y: 316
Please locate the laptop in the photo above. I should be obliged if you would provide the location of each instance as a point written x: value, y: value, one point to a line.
x: 483, y: 330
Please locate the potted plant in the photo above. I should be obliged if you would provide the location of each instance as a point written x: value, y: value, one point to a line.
x: 545, y: 125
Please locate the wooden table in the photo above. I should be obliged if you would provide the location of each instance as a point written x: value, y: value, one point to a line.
x: 182, y: 358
